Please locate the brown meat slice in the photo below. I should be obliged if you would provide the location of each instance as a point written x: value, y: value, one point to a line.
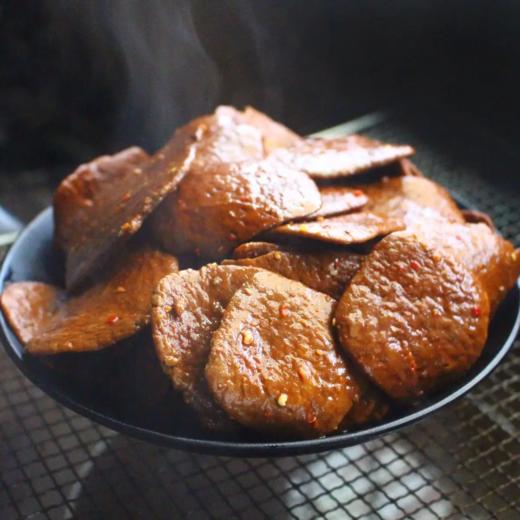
x: 341, y: 156
x: 253, y: 249
x: 273, y: 364
x: 337, y: 200
x: 103, y: 203
x: 47, y: 322
x: 76, y: 201
x: 219, y: 205
x: 188, y: 307
x: 492, y: 259
x: 274, y: 134
x: 325, y: 271
x: 354, y: 228
x: 412, y: 318
x: 412, y: 199
x: 474, y: 216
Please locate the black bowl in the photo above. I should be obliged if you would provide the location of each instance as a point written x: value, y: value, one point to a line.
x: 111, y: 387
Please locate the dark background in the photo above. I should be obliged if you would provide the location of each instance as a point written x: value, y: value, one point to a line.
x: 81, y: 78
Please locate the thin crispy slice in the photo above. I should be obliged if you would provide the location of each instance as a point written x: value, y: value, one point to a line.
x: 222, y: 204
x: 474, y: 216
x: 274, y: 134
x: 188, y: 307
x: 492, y: 259
x: 412, y: 199
x: 412, y: 318
x: 253, y: 249
x: 103, y: 203
x: 47, y: 322
x: 325, y: 271
x: 354, y: 228
x: 341, y: 156
x: 273, y: 364
x: 337, y: 200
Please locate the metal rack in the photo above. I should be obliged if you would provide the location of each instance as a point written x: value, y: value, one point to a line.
x: 464, y: 462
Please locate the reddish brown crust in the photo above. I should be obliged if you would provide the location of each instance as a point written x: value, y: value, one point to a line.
x: 220, y: 204
x: 491, y: 258
x: 116, y: 210
x: 187, y: 309
x: 325, y: 271
x: 412, y: 318
x: 412, y: 199
x: 273, y: 364
x: 342, y: 156
x: 338, y: 200
x: 354, y: 228
x: 46, y: 322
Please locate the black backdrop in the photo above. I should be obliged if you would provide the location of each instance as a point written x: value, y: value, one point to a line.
x: 80, y: 78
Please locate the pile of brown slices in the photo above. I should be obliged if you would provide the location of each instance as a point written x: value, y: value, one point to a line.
x: 294, y: 286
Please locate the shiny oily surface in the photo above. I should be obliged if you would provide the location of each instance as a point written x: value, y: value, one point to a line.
x: 354, y: 228
x: 33, y: 258
x: 412, y: 318
x: 336, y: 200
x: 187, y: 309
x: 49, y: 322
x: 273, y: 363
x: 342, y: 156
x: 325, y: 271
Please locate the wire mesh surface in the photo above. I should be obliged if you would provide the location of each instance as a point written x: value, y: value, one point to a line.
x: 463, y: 462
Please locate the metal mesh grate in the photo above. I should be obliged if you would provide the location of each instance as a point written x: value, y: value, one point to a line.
x: 462, y: 463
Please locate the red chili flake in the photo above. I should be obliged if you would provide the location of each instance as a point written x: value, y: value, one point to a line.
x: 358, y: 193
x: 112, y: 319
x: 232, y: 237
x: 415, y: 265
x: 476, y: 311
x: 126, y: 196
x: 284, y: 311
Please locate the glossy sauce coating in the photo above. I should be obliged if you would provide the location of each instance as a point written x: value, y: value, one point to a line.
x: 412, y: 317
x: 47, y: 322
x: 108, y: 212
x: 492, y: 259
x: 341, y: 156
x: 337, y: 200
x: 353, y: 228
x: 187, y: 309
x: 325, y: 271
x: 253, y: 249
x: 412, y: 199
x: 273, y: 364
x: 231, y: 192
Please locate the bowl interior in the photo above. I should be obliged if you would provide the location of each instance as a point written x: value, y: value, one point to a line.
x: 123, y: 388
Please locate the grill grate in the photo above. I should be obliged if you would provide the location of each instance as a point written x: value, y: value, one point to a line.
x: 461, y: 463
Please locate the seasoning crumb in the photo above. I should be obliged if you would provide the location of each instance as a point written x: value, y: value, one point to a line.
x: 282, y: 399
x: 358, y: 193
x: 476, y: 312
x: 69, y: 345
x: 247, y: 337
x: 304, y: 228
x: 167, y: 308
x: 333, y: 322
x: 278, y: 255
x: 112, y: 319
x: 120, y: 289
x: 414, y: 264
x: 436, y: 257
x: 283, y: 311
x: 126, y: 197
x: 126, y: 227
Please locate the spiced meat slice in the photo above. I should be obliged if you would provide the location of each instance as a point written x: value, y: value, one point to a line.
x: 274, y: 134
x: 327, y: 271
x: 337, y: 200
x: 253, y: 249
x: 353, y: 228
x: 323, y: 158
x: 412, y: 199
x: 221, y: 204
x: 273, y: 364
x: 103, y: 203
x: 491, y: 258
x: 412, y: 317
x: 48, y: 322
x: 187, y: 309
